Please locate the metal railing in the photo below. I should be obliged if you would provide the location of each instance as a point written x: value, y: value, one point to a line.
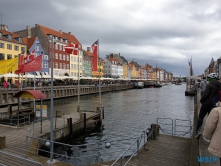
x: 179, y: 128
x: 14, y: 119
x: 18, y: 160
x: 137, y: 143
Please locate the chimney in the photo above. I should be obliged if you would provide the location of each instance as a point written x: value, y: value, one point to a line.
x: 89, y: 49
x: 69, y: 33
x: 28, y: 31
x: 60, y: 31
x: 4, y: 27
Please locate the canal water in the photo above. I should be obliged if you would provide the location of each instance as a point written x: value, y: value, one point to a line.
x: 126, y: 113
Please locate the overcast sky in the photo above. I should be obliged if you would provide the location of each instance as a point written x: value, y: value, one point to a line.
x: 166, y: 32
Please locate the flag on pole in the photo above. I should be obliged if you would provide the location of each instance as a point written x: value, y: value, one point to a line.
x: 95, y: 55
x: 71, y: 49
x: 31, y: 56
x: 34, y: 65
x: 9, y: 65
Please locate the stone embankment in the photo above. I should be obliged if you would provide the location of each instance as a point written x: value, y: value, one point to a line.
x: 6, y: 95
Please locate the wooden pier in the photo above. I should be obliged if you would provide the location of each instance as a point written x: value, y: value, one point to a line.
x: 164, y: 151
x: 16, y: 145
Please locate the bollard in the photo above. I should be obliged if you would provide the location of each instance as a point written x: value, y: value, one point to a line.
x: 103, y: 112
x: 70, y: 126
x: 2, y: 142
x: 85, y: 125
x: 154, y: 131
x: 157, y: 130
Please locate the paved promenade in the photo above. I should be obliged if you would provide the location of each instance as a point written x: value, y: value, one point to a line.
x: 16, y: 141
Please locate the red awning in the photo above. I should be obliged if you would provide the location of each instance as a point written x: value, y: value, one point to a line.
x: 37, y: 94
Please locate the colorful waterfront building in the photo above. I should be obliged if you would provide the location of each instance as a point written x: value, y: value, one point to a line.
x: 87, y: 62
x: 61, y: 60
x: 11, y: 45
x: 124, y: 63
x: 34, y: 46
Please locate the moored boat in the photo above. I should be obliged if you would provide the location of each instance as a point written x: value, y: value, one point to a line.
x: 139, y: 85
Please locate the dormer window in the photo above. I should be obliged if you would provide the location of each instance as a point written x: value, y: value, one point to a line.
x: 66, y: 40
x: 61, y: 39
x: 9, y: 37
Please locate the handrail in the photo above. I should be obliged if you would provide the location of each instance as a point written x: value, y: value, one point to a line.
x: 138, y: 146
x: 20, y: 158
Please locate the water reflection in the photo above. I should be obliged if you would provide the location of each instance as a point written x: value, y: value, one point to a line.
x: 126, y: 114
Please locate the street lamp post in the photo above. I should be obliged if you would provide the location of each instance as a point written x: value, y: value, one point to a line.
x: 52, y: 101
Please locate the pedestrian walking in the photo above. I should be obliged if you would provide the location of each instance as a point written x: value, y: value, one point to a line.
x: 203, y: 85
x: 212, y: 132
x: 212, y: 89
x: 5, y: 84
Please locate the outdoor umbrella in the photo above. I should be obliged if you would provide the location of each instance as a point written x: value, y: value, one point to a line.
x: 9, y: 75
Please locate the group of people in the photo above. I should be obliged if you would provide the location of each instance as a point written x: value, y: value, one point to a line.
x: 210, y: 94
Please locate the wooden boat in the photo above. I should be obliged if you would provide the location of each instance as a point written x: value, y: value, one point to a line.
x: 139, y: 85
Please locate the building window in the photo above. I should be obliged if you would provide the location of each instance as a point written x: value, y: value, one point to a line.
x: 56, y: 55
x: 61, y: 47
x: 75, y: 66
x: 60, y: 56
x: 72, y: 66
x: 1, y: 45
x: 64, y: 57
x: 67, y: 58
x: 16, y: 48
x: 56, y: 65
x: 22, y: 49
x: 45, y: 65
x: 72, y: 59
x: 9, y: 46
x: 2, y: 56
x: 9, y: 56
x: 9, y: 37
x: 56, y: 46
x: 46, y: 57
x: 80, y: 59
x: 60, y: 66
x: 64, y: 66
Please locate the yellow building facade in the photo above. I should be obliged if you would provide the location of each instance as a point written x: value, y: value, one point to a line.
x: 125, y: 71
x: 74, y: 64
x: 11, y: 45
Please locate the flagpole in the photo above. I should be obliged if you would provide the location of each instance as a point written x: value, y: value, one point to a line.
x: 99, y: 77
x: 78, y: 80
x: 52, y: 102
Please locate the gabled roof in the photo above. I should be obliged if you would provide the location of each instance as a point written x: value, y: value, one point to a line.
x: 64, y: 35
x: 90, y: 54
x: 14, y: 35
x: 212, y: 61
x: 124, y: 59
x: 30, y: 42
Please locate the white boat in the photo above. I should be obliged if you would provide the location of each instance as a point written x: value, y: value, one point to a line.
x: 139, y: 85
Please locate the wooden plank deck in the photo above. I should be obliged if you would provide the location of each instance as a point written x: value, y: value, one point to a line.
x: 165, y: 151
x: 16, y: 140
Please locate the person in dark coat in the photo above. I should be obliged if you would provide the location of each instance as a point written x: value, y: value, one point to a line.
x: 211, y: 90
